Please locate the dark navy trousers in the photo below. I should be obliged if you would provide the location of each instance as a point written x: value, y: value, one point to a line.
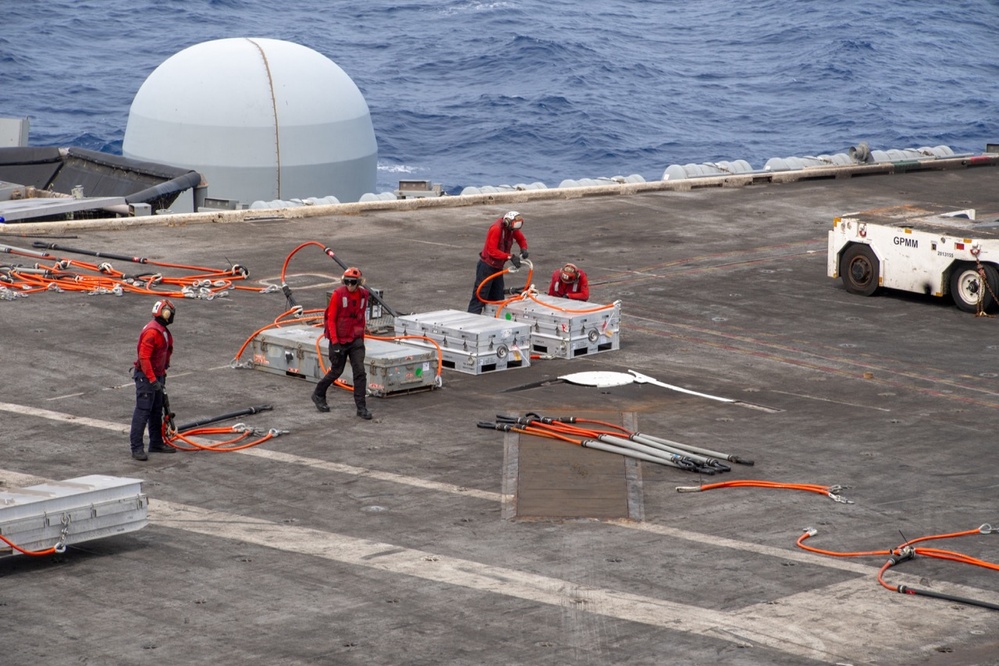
x: 148, y: 414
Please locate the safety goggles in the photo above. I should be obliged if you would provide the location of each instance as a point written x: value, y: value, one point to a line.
x: 351, y: 282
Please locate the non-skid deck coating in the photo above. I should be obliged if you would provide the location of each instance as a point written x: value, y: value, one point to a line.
x: 395, y: 541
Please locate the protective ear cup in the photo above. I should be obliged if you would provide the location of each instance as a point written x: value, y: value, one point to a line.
x: 513, y: 220
x: 164, y: 309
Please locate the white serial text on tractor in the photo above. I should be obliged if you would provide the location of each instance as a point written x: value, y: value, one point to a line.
x: 921, y: 250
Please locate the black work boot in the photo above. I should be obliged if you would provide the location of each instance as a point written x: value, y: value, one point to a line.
x: 161, y: 448
x: 140, y: 455
x: 320, y: 402
x: 364, y: 413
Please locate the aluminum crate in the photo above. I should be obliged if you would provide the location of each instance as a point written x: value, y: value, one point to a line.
x: 470, y: 343
x: 69, y: 512
x: 563, y: 328
x: 392, y: 368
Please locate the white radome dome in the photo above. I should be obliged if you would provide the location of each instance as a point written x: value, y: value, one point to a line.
x: 259, y: 119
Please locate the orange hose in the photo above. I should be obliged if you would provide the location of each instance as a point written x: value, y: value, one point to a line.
x: 57, y: 275
x: 36, y: 553
x: 501, y: 304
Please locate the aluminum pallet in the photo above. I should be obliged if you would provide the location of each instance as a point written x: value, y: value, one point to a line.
x: 563, y: 328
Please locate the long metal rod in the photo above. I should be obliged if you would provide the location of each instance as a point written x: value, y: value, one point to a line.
x: 92, y: 253
x: 698, y: 449
x: 630, y: 453
x: 644, y: 439
x: 332, y: 255
x: 223, y: 417
x: 638, y: 446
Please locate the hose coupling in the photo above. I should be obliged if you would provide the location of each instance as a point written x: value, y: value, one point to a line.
x: 810, y: 531
x: 902, y: 555
x: 839, y: 498
x: 688, y: 489
x: 288, y: 295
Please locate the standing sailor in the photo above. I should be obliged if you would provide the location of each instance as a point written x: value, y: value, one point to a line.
x: 344, y: 329
x: 149, y: 372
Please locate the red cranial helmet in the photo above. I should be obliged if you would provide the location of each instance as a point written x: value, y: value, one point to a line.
x: 164, y: 309
x: 351, y: 276
x: 569, y: 273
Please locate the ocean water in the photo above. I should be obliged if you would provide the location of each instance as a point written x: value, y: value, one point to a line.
x: 475, y: 92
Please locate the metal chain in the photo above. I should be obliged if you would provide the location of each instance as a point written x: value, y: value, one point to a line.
x: 981, y: 296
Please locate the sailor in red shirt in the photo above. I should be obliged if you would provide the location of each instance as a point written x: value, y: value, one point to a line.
x: 495, y: 253
x: 569, y: 282
x: 344, y: 329
x: 149, y: 372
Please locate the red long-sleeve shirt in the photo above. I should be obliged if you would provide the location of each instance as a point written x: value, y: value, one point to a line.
x: 154, y: 350
x: 499, y: 242
x: 345, y: 315
x: 577, y: 291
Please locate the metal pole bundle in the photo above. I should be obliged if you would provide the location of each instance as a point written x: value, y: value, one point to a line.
x: 616, y: 439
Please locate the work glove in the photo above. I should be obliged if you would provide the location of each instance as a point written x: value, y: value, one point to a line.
x: 523, y: 254
x: 156, y: 386
x: 515, y: 260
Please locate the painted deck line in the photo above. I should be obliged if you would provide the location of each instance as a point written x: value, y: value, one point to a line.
x: 314, y: 463
x: 507, y: 501
x: 752, y: 627
x: 65, y: 418
x: 799, y: 625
